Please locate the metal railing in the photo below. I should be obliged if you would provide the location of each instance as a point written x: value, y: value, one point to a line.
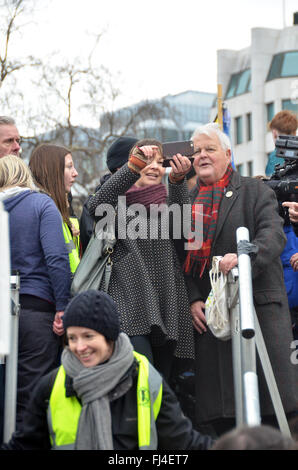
x: 247, y: 339
x: 9, y: 326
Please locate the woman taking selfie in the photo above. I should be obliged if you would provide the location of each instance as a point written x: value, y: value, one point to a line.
x: 147, y: 282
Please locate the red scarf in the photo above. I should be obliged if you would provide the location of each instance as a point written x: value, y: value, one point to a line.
x: 209, y: 196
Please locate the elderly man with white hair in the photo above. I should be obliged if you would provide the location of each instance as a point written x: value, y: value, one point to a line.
x: 230, y: 201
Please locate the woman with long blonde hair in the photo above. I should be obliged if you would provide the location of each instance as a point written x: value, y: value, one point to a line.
x: 38, y: 253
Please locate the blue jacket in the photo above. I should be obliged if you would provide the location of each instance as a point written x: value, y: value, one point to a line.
x: 291, y: 277
x: 37, y: 247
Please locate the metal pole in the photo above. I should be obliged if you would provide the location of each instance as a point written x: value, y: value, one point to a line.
x: 246, y: 344
x: 271, y: 382
x: 219, y: 106
x: 233, y: 305
x: 11, y: 368
x: 245, y: 285
x: 5, y: 302
x: 251, y: 399
x: 251, y: 404
x: 284, y: 13
x: 5, y: 315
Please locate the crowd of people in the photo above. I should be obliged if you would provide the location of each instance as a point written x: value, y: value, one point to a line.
x: 98, y: 371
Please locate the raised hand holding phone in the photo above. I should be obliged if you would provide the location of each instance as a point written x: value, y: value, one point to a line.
x: 180, y: 167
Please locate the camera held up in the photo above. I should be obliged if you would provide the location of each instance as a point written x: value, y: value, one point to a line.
x: 284, y: 180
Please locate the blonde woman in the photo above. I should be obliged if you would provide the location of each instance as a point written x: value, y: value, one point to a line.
x: 38, y: 252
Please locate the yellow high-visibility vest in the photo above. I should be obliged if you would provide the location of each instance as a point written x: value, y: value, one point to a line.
x: 72, y: 244
x: 64, y: 412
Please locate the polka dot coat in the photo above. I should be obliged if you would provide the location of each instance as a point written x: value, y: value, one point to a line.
x: 147, y: 282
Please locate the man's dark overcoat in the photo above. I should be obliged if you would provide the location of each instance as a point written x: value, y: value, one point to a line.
x: 247, y: 202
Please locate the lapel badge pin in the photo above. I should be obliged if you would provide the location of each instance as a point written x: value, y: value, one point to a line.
x: 229, y: 194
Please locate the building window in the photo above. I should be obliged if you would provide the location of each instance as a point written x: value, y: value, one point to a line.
x: 270, y: 111
x: 275, y: 67
x: 239, y: 83
x: 248, y: 126
x: 290, y: 105
x: 284, y: 64
x: 290, y: 64
x: 250, y: 168
x: 239, y: 168
x: 243, y: 82
x: 238, y: 129
x: 232, y: 86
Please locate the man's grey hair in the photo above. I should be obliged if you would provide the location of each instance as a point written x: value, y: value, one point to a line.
x: 7, y: 121
x: 213, y: 128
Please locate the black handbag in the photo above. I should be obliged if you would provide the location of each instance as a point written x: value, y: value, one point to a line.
x: 95, y: 268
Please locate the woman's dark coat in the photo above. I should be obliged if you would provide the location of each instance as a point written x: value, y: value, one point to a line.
x: 174, y: 430
x: 247, y: 203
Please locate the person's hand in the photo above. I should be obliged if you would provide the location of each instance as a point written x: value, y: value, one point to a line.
x: 228, y: 262
x: 180, y: 167
x: 58, y: 324
x: 198, y: 316
x: 293, y: 210
x: 75, y: 231
x: 141, y: 157
x: 294, y: 261
x: 149, y: 151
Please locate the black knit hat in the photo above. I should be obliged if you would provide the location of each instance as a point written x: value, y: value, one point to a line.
x: 118, y: 152
x: 95, y: 310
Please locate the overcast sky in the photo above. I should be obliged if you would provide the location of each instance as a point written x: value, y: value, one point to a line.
x: 159, y: 47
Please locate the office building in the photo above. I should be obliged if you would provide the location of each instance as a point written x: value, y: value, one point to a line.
x: 258, y: 82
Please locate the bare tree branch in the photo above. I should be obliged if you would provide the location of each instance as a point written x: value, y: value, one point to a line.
x: 11, y: 11
x: 66, y: 94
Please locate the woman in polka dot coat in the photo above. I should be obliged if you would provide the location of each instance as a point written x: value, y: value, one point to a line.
x: 147, y: 282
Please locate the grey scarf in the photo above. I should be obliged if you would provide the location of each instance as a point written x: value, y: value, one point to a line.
x: 92, y: 386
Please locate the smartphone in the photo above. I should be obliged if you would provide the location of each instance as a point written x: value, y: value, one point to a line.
x: 170, y: 149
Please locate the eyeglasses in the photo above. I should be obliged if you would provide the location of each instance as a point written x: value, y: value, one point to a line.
x: 10, y: 141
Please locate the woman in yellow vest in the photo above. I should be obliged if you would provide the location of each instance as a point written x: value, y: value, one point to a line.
x: 104, y: 396
x: 53, y: 171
